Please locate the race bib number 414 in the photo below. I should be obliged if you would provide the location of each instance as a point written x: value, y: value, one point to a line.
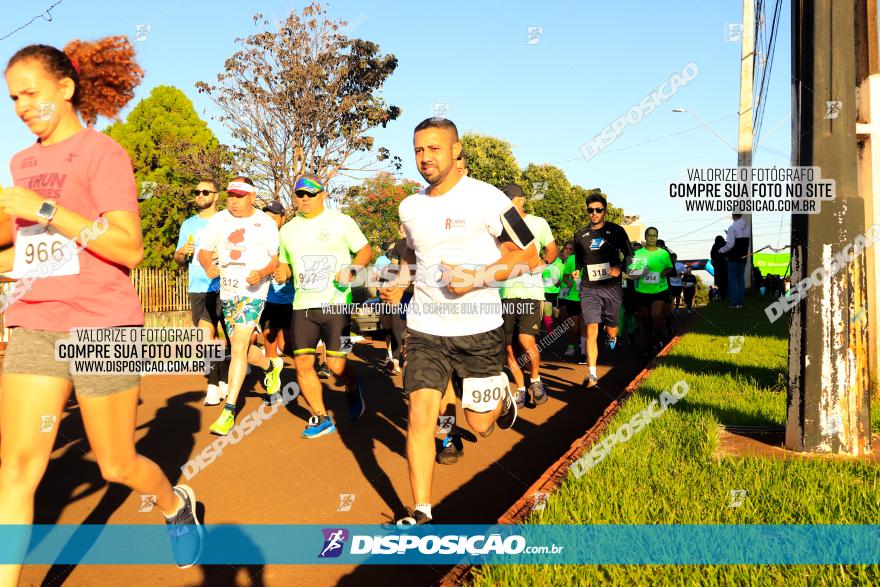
x: 651, y: 277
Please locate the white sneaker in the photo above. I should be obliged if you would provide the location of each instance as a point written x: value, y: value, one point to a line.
x: 212, y: 398
x: 224, y: 390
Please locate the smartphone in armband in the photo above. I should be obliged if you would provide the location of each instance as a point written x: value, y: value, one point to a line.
x: 515, y: 229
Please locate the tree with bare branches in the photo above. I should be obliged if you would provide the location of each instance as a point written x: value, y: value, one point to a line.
x: 302, y: 99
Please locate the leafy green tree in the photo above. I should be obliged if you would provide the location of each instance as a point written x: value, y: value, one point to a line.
x: 490, y: 159
x: 374, y: 206
x: 171, y: 148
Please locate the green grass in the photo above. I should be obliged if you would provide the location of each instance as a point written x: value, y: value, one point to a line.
x: 668, y: 474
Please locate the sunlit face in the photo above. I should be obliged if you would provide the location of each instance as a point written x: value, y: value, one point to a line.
x: 310, y: 205
x: 651, y: 238
x: 240, y: 205
x: 436, y: 150
x: 40, y: 100
x: 596, y: 212
x: 202, y: 201
x: 567, y: 250
x: 461, y: 167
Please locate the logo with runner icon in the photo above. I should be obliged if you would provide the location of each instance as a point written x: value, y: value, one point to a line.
x: 597, y: 243
x: 334, y: 540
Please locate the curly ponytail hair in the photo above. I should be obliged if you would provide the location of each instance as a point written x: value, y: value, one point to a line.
x: 104, y: 72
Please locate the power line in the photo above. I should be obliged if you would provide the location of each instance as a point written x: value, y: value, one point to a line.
x: 48, y: 12
x: 654, y: 140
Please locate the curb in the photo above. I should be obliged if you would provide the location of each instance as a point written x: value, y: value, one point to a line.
x: 556, y: 473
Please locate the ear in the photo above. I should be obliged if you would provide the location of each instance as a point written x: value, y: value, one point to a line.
x: 68, y: 87
x: 456, y: 150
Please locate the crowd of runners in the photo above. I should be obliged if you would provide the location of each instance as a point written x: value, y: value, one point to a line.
x: 467, y: 290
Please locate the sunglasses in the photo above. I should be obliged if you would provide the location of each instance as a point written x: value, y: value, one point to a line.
x: 305, y: 195
x: 595, y: 210
x: 202, y: 192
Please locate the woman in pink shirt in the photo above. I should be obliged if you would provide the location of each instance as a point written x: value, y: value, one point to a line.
x: 77, y: 235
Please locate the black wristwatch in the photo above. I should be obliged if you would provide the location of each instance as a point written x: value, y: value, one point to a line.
x: 47, y: 211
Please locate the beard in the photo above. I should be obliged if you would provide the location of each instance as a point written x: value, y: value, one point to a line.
x: 205, y: 205
x: 438, y: 175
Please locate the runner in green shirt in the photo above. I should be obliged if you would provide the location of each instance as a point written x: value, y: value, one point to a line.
x: 316, y: 250
x: 570, y: 303
x: 650, y: 267
x: 552, y: 276
x: 522, y: 298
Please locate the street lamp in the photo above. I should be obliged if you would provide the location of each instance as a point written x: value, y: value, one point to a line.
x: 706, y: 124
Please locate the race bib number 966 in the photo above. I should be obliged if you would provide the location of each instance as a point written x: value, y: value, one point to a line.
x: 482, y: 394
x: 38, y: 245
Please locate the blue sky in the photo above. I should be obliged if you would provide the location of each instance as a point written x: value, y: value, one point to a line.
x: 592, y: 63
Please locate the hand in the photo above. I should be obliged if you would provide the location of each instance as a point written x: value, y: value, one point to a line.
x: 187, y: 249
x: 343, y: 278
x: 21, y: 203
x: 282, y: 273
x: 212, y: 272
x: 461, y: 280
x: 391, y: 295
x: 614, y: 272
x: 254, y: 278
x: 576, y: 274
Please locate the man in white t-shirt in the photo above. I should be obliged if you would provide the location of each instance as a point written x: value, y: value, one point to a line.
x: 454, y: 227
x: 246, y: 242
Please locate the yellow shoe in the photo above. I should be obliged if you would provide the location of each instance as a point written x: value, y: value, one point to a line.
x: 272, y: 380
x: 224, y: 423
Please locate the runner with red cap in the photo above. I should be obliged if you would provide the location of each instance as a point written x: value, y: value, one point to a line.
x: 246, y: 242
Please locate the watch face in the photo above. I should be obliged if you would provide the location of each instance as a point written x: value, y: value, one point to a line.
x: 47, y: 210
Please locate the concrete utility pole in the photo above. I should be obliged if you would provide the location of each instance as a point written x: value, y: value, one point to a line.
x: 868, y: 132
x: 746, y: 137
x: 828, y: 399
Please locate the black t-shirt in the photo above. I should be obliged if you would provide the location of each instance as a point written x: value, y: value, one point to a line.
x: 594, y: 248
x: 688, y: 280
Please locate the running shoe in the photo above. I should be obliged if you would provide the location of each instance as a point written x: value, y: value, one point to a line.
x: 318, y: 426
x: 582, y: 360
x: 224, y: 423
x: 185, y: 531
x: 214, y: 395
x: 539, y: 394
x: 355, y: 397
x: 417, y: 518
x: 272, y: 380
x: 324, y: 371
x: 520, y: 397
x: 611, y: 343
x: 451, y: 449
x: 508, y: 412
x: 591, y: 381
x: 569, y: 352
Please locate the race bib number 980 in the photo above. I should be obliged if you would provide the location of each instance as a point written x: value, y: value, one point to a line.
x: 482, y: 394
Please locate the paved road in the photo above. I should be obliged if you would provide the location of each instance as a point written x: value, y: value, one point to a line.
x: 274, y: 477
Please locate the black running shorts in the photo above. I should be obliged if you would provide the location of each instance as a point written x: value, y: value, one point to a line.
x: 431, y: 360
